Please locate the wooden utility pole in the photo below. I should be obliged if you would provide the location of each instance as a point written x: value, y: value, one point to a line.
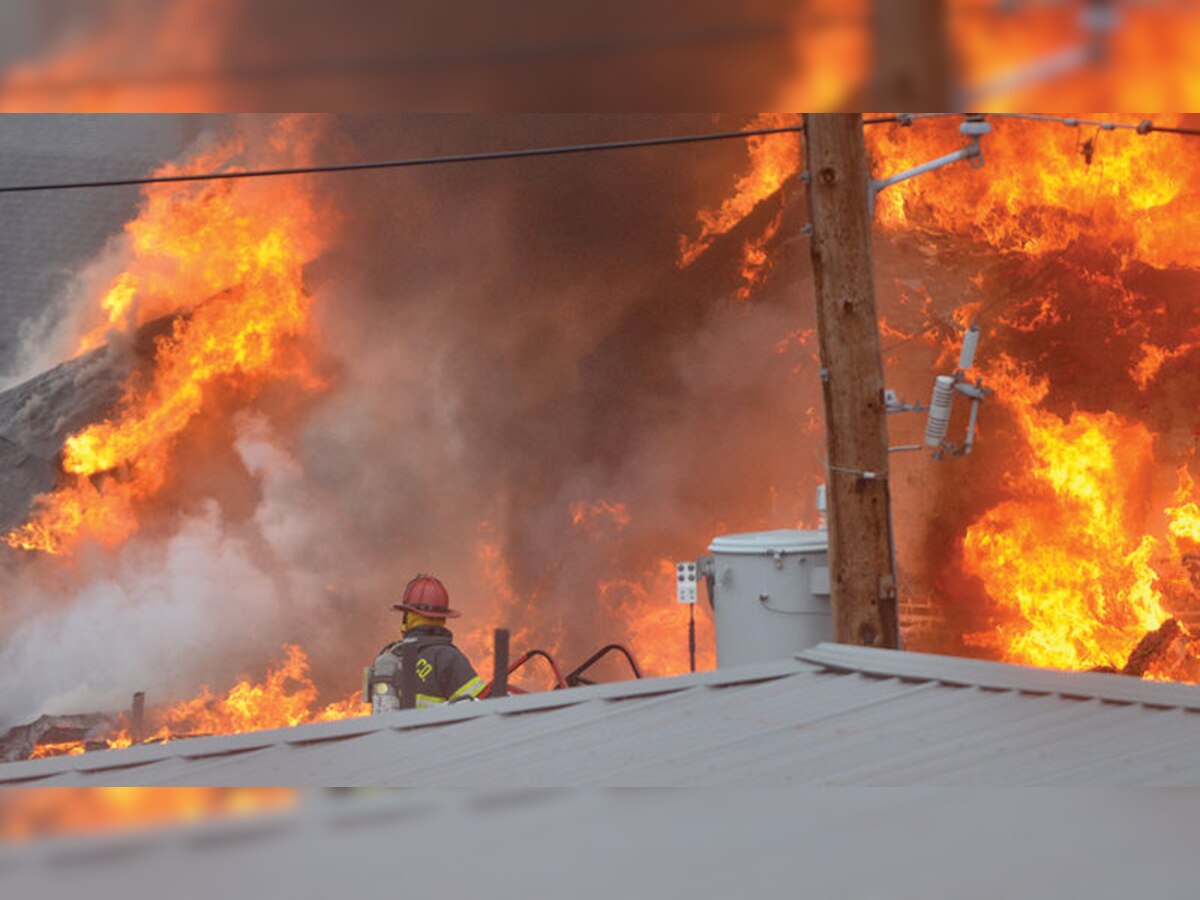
x: 913, y: 71
x: 860, y: 541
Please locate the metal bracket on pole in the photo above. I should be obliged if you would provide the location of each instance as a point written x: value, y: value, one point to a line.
x: 892, y: 404
x: 975, y: 127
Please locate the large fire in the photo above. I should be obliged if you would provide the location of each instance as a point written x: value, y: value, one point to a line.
x: 1072, y: 545
x: 1075, y: 570
x: 226, y: 260
x: 223, y: 262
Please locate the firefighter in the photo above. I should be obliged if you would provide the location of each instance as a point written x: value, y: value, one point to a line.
x: 441, y: 672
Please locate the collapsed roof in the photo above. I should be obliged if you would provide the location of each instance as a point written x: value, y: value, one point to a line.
x: 37, y: 416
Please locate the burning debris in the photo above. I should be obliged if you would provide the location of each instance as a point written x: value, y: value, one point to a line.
x: 286, y: 696
x: 1155, y: 649
x: 55, y: 735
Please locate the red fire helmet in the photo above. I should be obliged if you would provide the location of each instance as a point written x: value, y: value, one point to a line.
x: 426, y: 595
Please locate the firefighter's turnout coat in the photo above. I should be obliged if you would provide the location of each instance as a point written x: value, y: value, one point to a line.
x: 442, y: 673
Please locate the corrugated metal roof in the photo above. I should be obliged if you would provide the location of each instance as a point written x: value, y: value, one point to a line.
x: 833, y: 715
x: 911, y: 843
x: 906, y: 844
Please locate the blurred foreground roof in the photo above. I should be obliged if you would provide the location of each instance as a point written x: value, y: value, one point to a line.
x: 852, y: 843
x: 832, y: 715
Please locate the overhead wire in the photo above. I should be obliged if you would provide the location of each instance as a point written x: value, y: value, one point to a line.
x: 1144, y: 127
x: 412, y: 162
x: 907, y: 118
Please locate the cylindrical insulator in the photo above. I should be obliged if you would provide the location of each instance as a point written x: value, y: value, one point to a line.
x: 939, y: 411
x: 966, y: 359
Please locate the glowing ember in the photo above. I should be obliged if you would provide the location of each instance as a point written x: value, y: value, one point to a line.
x: 583, y: 513
x: 1154, y: 358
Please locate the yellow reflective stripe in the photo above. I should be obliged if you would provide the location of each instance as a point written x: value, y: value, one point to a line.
x: 470, y: 689
x: 427, y: 700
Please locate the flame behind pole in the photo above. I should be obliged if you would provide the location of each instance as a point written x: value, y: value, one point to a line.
x: 860, y: 540
x: 913, y: 67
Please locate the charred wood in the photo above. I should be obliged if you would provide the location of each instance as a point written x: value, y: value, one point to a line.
x: 1153, y: 647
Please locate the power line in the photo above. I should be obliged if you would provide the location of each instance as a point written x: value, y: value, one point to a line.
x: 1143, y: 127
x: 1150, y: 126
x: 521, y: 153
x: 906, y: 118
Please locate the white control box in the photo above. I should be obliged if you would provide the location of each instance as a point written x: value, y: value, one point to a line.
x: 685, y: 582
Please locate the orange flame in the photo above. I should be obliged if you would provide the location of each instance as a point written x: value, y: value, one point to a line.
x: 226, y: 260
x: 1154, y: 358
x: 655, y: 625
x: 756, y: 263
x: 66, y: 748
x: 27, y: 813
x: 774, y: 158
x: 142, y: 57
x: 584, y: 513
x: 1184, y: 515
x: 1036, y: 194
x: 1071, y: 587
x: 287, y: 696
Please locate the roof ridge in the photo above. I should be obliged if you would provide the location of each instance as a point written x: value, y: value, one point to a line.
x: 1002, y: 676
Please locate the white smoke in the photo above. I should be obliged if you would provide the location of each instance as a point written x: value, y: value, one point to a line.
x: 214, y: 601
x: 147, y: 619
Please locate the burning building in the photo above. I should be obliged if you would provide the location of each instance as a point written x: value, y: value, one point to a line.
x: 547, y: 380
